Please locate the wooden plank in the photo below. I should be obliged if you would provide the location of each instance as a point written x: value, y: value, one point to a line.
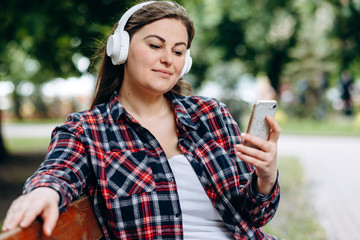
x: 77, y: 222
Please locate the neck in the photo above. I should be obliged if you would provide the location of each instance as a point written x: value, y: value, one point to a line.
x: 144, y: 106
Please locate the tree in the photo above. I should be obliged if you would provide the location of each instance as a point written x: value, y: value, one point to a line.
x: 346, y: 33
x: 47, y: 33
x: 259, y: 34
x: 3, y: 151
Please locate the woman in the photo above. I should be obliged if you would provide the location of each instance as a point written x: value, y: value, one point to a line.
x: 157, y: 164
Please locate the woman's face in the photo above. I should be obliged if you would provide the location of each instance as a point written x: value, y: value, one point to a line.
x: 156, y: 57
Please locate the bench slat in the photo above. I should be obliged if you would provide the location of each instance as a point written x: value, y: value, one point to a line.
x: 77, y: 222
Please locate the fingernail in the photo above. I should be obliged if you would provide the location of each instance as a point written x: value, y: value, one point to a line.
x: 48, y: 231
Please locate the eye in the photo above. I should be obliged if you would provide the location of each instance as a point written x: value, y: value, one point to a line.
x: 154, y: 46
x: 178, y: 53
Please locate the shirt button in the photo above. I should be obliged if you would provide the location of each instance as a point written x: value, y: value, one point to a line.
x: 172, y: 180
x: 177, y: 215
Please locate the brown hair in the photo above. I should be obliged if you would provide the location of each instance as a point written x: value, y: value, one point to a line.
x: 110, y: 76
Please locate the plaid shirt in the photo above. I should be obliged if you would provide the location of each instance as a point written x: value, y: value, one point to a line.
x: 107, y: 154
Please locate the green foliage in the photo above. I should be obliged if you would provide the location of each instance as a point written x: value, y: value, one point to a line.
x: 50, y: 32
x: 346, y: 31
x: 285, y: 40
x: 295, y: 218
x: 257, y: 33
x: 41, y: 39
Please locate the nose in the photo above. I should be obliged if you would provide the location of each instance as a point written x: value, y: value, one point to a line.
x: 167, y: 57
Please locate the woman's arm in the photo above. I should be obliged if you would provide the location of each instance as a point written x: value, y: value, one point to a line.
x: 61, y: 177
x: 259, y: 197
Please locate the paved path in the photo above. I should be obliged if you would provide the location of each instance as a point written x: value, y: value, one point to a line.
x: 332, y: 165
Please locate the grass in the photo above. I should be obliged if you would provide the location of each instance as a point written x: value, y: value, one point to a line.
x: 295, y: 218
x: 337, y: 125
x: 332, y: 125
x: 26, y: 145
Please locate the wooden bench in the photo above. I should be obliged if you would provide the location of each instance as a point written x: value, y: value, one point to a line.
x: 77, y: 222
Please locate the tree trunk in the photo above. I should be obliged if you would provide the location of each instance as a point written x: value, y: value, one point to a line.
x: 3, y: 152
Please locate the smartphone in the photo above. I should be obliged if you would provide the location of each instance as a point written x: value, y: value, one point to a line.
x: 258, y: 126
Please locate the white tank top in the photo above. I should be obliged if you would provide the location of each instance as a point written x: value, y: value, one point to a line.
x: 200, y: 218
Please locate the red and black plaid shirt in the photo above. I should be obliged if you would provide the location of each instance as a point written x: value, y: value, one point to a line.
x: 107, y: 154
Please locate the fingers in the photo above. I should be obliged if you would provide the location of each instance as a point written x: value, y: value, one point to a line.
x: 15, y: 214
x: 25, y: 209
x: 248, y: 159
x: 30, y: 214
x: 275, y: 129
x: 47, y: 210
x: 252, y: 156
x: 256, y: 157
x: 261, y: 143
x: 50, y: 217
x: 264, y: 163
x: 256, y: 141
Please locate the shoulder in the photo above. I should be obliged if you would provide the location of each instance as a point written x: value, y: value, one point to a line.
x: 202, y: 108
x: 86, y: 116
x: 201, y: 104
x: 79, y: 122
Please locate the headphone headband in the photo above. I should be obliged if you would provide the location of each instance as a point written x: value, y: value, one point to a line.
x: 123, y: 20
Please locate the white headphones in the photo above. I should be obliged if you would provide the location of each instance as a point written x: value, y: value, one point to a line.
x: 118, y: 43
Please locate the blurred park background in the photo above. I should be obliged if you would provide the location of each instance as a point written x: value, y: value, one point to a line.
x: 304, y: 53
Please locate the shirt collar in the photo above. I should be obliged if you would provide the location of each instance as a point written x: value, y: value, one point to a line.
x: 181, y: 112
x: 116, y: 109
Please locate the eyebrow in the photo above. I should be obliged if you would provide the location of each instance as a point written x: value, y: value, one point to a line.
x: 163, y: 40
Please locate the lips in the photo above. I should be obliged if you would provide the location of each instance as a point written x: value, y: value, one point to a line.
x: 163, y: 72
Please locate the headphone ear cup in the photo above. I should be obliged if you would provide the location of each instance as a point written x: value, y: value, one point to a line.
x: 118, y: 47
x: 187, y: 65
x: 124, y: 47
x: 113, y: 48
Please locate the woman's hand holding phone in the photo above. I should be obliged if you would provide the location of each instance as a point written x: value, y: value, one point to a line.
x: 262, y: 154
